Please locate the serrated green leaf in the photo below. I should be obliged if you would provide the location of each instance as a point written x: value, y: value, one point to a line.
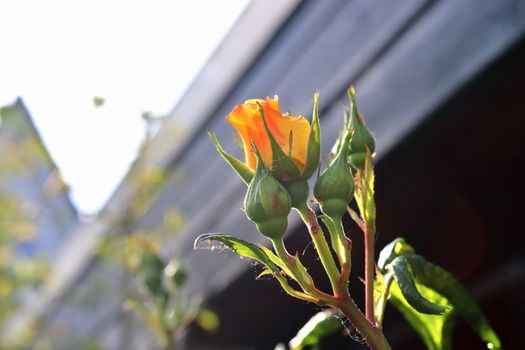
x: 249, y: 250
x: 322, y: 325
x: 444, y: 283
x: 405, y: 281
x: 239, y: 246
x: 245, y: 172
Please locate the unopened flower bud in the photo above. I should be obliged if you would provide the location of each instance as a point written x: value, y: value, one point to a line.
x: 362, y: 140
x: 267, y: 203
x: 335, y: 187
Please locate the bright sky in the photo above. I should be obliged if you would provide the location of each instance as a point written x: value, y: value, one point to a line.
x: 138, y: 55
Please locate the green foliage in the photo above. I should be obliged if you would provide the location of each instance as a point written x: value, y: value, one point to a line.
x: 21, y: 152
x: 405, y: 281
x: 276, y: 260
x: 151, y: 269
x: 322, y: 325
x: 465, y: 306
x: 175, y: 274
x: 162, y: 305
x: 391, y: 251
x: 271, y: 262
x: 243, y: 248
x: 427, y: 296
x: 420, y: 287
x: 435, y: 330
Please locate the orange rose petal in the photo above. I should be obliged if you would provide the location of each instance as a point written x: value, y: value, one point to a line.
x: 247, y: 121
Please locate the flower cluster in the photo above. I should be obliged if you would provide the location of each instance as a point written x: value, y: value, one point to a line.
x: 282, y: 152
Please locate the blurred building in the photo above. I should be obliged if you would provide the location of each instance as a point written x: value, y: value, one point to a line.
x: 440, y: 84
x: 36, y: 215
x: 31, y: 180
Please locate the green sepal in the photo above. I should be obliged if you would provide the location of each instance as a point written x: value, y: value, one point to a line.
x: 322, y: 325
x: 283, y: 167
x: 362, y: 140
x: 245, y: 172
x: 405, y: 281
x: 303, y: 277
x: 239, y: 246
x: 346, y: 126
x: 313, y: 153
x: 354, y: 216
x: 277, y: 261
x: 364, y: 193
x: 335, y: 240
x: 264, y: 272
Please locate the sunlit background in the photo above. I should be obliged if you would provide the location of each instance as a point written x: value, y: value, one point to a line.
x: 136, y: 56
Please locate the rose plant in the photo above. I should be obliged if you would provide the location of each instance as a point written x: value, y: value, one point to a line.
x: 282, y: 152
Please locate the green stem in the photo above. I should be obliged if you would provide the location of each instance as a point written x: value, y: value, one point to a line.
x: 373, y: 336
x: 323, y: 250
x: 369, y: 274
